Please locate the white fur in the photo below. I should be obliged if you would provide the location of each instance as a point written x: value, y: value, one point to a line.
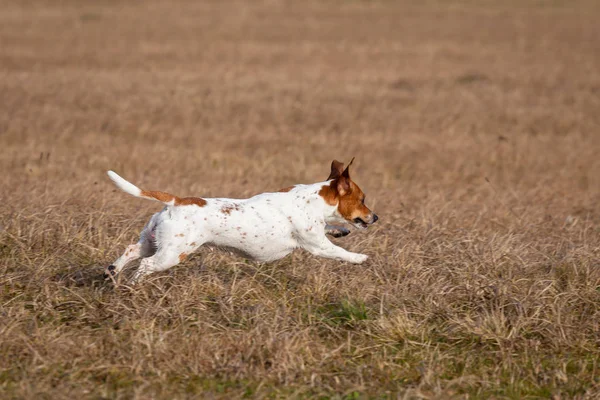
x: 125, y: 186
x: 266, y: 227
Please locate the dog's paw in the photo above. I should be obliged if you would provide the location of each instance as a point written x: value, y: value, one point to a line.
x: 109, y: 272
x: 338, y: 231
x: 359, y: 258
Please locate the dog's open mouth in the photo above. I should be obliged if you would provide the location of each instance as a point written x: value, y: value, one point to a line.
x: 359, y: 223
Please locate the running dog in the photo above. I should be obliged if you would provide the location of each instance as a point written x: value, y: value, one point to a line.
x: 265, y: 227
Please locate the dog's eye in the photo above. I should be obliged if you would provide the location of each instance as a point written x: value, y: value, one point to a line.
x: 363, y: 200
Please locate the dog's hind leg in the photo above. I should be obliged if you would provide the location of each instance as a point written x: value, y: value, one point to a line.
x: 164, y: 259
x: 132, y: 253
x: 174, y: 241
x: 145, y: 247
x: 168, y: 254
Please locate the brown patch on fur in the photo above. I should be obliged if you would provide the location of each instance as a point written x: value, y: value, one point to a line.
x: 285, y: 190
x: 329, y: 193
x: 190, y: 201
x: 179, y: 235
x: 351, y: 206
x: 157, y: 195
x: 193, y: 244
x: 168, y: 197
x: 345, y: 194
x: 182, y: 257
x: 228, y: 208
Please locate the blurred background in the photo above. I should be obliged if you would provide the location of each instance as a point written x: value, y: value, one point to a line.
x: 234, y: 98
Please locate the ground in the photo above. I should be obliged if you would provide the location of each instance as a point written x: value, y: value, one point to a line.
x: 476, y: 131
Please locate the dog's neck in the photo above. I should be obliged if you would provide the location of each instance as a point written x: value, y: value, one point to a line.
x: 320, y: 193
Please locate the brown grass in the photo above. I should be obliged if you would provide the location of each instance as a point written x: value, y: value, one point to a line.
x: 476, y: 131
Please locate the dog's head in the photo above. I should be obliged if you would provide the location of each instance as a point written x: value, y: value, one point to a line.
x: 347, y: 196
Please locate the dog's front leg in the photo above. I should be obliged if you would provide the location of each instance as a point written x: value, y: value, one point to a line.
x: 323, y: 247
x: 336, y: 231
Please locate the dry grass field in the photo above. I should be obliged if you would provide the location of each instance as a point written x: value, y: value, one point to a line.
x: 476, y: 131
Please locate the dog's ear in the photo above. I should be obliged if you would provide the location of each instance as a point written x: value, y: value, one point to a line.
x: 346, y: 173
x: 336, y: 169
x: 343, y: 181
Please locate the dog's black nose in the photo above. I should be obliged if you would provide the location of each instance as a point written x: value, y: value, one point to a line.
x: 375, y: 218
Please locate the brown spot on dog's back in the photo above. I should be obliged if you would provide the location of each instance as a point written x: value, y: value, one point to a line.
x: 285, y: 190
x: 168, y: 198
x: 182, y: 257
x: 228, y: 208
x: 190, y: 201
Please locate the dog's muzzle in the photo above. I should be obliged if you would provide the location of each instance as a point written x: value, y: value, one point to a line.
x: 360, y: 223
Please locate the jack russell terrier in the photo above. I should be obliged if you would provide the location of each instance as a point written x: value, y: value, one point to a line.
x: 265, y: 227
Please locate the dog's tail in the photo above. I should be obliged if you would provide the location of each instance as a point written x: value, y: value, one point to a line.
x: 163, y: 197
x: 125, y: 186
